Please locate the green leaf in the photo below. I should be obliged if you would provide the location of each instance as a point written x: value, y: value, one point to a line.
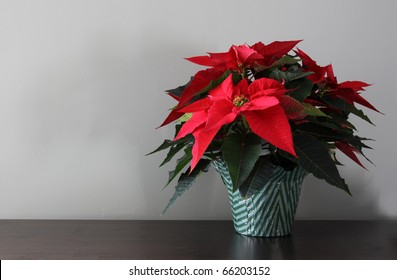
x: 285, y: 159
x: 181, y: 163
x: 214, y: 83
x: 286, y: 59
x: 240, y: 152
x: 169, y: 143
x: 264, y: 71
x: 292, y: 107
x: 313, y: 111
x: 333, y: 121
x: 186, y: 180
x: 172, y: 152
x: 299, y: 89
x: 262, y: 172
x: 288, y: 75
x: 185, y: 117
x: 331, y: 134
x: 359, y: 113
x: 179, y: 90
x: 165, y: 145
x: 327, y: 122
x: 346, y: 107
x: 314, y: 157
x: 327, y: 134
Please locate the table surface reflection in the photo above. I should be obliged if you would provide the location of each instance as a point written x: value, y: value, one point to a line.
x: 125, y: 239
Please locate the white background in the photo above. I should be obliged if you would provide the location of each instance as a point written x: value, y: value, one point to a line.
x: 82, y: 90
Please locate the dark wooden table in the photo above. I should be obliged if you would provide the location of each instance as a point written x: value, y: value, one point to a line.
x: 122, y: 239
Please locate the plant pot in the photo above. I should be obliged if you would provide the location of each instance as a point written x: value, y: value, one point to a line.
x: 270, y: 211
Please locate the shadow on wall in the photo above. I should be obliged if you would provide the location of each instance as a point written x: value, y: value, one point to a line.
x: 319, y: 200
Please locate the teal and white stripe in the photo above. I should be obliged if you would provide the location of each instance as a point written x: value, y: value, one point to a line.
x: 270, y: 212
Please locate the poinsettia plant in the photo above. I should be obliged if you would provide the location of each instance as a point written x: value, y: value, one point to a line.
x: 260, y: 104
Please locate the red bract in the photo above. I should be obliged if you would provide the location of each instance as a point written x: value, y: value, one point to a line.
x: 242, y: 56
x: 274, y: 51
x: 236, y: 58
x: 348, y: 91
x: 326, y: 80
x: 258, y: 103
x: 349, y: 151
x: 197, y: 84
x: 311, y: 66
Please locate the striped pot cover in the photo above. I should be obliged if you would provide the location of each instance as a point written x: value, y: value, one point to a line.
x: 270, y: 212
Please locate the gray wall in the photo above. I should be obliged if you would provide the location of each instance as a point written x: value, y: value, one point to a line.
x: 81, y: 93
